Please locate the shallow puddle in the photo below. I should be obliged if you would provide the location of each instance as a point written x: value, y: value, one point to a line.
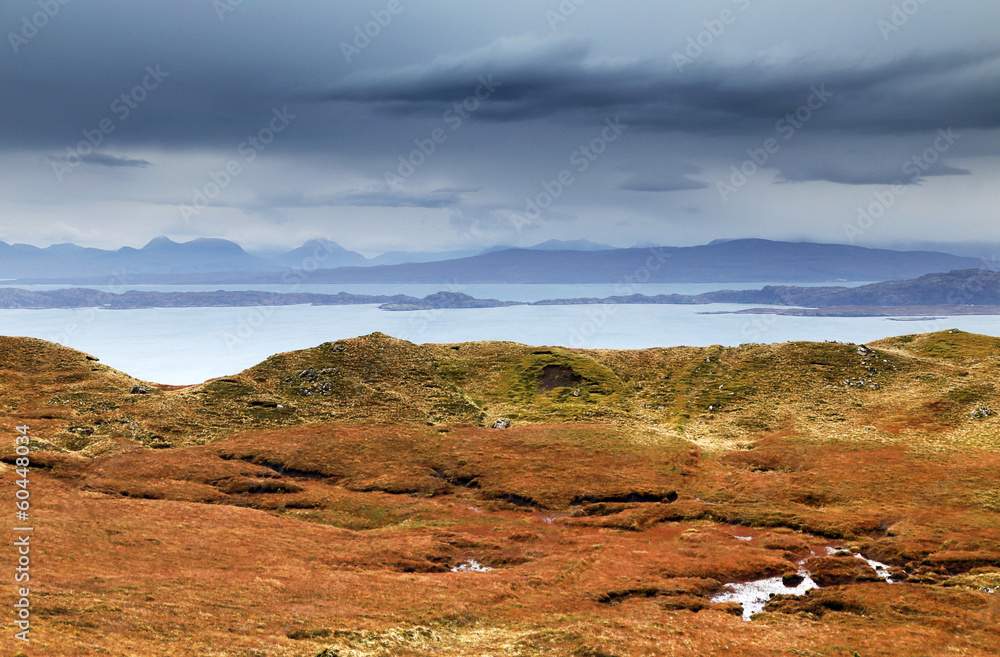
x: 471, y: 566
x: 755, y: 595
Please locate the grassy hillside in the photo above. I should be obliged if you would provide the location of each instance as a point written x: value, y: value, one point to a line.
x: 920, y: 390
x: 318, y: 502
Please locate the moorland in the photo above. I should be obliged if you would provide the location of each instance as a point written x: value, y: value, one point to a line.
x: 355, y: 499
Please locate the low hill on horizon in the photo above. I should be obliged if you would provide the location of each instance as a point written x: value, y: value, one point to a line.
x: 969, y: 291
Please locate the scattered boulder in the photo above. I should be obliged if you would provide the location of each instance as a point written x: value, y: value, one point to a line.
x: 981, y: 412
x: 864, y: 351
x: 792, y: 580
x: 502, y: 423
x: 139, y: 390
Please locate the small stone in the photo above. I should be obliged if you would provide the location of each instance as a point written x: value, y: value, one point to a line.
x: 792, y: 580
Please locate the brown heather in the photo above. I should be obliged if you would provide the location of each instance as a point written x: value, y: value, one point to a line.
x: 316, y: 503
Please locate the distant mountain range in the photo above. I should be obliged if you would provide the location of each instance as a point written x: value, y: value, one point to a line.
x: 163, y: 256
x: 215, y: 261
x: 752, y: 260
x: 160, y: 256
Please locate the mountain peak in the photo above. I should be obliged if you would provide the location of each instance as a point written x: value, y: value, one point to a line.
x: 161, y: 242
x: 328, y: 253
x: 571, y: 245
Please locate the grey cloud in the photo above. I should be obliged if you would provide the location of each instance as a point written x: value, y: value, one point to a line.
x: 847, y: 176
x: 374, y: 197
x: 908, y: 162
x: 546, y: 78
x: 105, y: 160
x: 672, y: 177
x: 553, y: 91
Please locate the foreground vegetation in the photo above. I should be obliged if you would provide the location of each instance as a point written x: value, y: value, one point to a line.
x: 320, y: 502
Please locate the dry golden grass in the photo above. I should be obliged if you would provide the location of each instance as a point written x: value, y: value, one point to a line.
x: 269, y: 522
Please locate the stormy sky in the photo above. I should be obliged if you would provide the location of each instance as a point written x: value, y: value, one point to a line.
x: 440, y: 124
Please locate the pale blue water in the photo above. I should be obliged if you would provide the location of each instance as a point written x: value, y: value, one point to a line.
x: 190, y: 345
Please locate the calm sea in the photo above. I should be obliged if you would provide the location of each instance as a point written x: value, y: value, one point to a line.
x: 190, y: 345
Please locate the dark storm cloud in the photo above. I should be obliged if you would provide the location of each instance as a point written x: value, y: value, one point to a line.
x: 198, y: 102
x: 174, y: 91
x: 562, y: 78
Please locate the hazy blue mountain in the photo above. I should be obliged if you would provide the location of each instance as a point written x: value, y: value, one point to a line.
x: 571, y: 245
x: 750, y: 260
x: 159, y: 256
x: 402, y: 257
x: 554, y: 245
x: 327, y: 254
x: 163, y: 255
x: 211, y: 261
x: 988, y: 250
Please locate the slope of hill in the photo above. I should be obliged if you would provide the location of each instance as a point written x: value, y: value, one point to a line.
x: 353, y: 499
